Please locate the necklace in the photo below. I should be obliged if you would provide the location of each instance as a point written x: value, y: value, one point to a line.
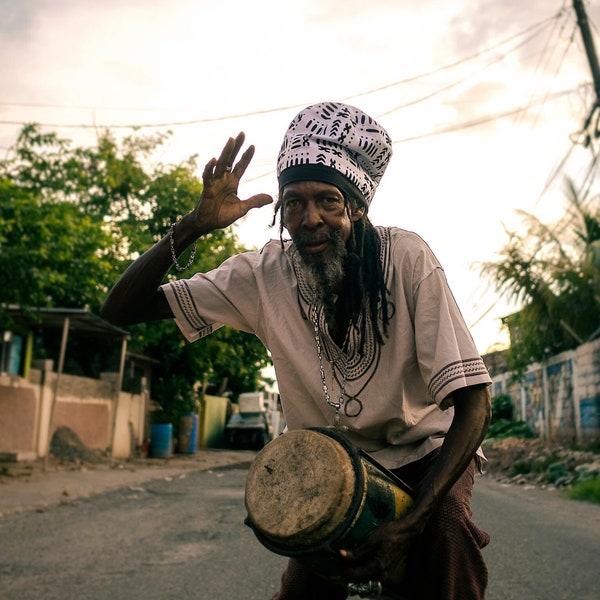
x: 353, y: 406
x: 344, y: 372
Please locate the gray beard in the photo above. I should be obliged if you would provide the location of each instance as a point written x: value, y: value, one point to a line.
x: 325, y: 277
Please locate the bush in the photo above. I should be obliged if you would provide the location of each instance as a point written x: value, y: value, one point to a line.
x: 502, y: 424
x: 587, y: 490
x: 502, y: 408
x: 504, y: 428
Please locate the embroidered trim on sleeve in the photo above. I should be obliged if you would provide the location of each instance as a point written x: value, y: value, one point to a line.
x: 185, y: 301
x: 464, y: 369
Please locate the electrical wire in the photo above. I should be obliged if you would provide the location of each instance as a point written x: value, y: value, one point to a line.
x: 456, y: 83
x: 538, y: 26
x: 546, y: 56
x: 483, y: 120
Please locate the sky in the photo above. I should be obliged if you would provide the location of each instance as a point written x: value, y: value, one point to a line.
x: 483, y: 99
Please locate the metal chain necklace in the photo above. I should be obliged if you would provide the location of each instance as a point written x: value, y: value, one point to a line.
x: 340, y: 403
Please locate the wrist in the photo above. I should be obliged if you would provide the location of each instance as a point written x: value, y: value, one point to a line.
x: 181, y: 234
x: 187, y: 230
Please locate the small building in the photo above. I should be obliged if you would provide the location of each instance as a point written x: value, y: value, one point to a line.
x: 68, y: 367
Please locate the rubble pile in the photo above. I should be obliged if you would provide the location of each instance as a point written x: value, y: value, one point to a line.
x: 539, y: 463
x: 66, y: 446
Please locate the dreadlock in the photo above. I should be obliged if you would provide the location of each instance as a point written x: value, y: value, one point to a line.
x: 365, y: 293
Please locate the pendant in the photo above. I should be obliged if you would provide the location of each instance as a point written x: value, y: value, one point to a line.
x: 337, y: 425
x: 353, y: 407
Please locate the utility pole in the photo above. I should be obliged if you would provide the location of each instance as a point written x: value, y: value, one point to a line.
x: 590, y: 49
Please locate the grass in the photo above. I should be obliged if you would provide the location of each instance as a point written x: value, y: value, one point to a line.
x: 587, y: 491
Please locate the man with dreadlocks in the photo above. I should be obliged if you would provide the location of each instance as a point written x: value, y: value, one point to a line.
x: 344, y: 304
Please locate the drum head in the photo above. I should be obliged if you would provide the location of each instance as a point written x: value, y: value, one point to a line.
x: 299, y: 489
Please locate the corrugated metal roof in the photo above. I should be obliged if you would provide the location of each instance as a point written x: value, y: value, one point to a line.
x: 80, y: 319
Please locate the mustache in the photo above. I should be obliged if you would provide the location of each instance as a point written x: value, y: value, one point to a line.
x: 302, y: 240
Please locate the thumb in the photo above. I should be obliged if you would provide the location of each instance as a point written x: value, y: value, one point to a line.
x: 257, y: 201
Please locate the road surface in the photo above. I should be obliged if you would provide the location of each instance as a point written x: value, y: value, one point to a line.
x: 183, y: 537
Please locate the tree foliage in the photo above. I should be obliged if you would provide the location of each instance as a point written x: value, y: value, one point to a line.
x: 51, y: 252
x: 554, y: 272
x: 73, y: 218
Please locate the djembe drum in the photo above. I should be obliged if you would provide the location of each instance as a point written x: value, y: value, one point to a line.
x: 310, y: 492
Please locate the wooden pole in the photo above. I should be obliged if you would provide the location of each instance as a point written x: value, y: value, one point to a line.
x: 118, y: 385
x: 59, y: 370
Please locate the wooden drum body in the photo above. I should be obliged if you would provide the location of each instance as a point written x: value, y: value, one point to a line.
x: 310, y: 492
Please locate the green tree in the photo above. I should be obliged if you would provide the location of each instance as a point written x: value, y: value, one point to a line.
x: 73, y: 218
x: 554, y: 272
x: 52, y: 253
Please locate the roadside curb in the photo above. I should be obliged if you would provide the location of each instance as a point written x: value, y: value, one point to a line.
x: 28, y: 487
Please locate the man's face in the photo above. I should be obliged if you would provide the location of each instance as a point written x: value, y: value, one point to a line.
x: 316, y: 217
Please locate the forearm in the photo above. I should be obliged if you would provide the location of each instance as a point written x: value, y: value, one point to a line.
x: 472, y: 414
x: 135, y: 297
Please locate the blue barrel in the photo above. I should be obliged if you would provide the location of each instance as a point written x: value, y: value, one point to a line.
x: 161, y: 440
x: 188, y: 433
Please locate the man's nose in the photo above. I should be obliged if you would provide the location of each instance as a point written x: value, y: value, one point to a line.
x: 312, y: 216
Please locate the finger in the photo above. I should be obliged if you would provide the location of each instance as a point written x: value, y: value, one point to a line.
x: 239, y: 142
x: 257, y: 201
x: 354, y: 573
x: 207, y: 174
x: 360, y: 567
x: 224, y: 159
x: 349, y: 558
x: 242, y: 164
x: 230, y: 151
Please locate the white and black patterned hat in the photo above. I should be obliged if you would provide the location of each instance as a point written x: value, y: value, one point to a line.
x: 338, y: 144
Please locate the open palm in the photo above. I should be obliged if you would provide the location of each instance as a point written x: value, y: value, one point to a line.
x: 219, y: 205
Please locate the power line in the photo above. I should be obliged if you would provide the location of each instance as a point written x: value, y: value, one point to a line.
x: 543, y: 60
x: 160, y: 125
x: 469, y: 58
x: 538, y: 26
x: 456, y: 83
x: 464, y: 125
x: 484, y: 119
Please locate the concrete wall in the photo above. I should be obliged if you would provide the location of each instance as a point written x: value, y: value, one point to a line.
x: 86, y: 406
x: 19, y: 403
x: 559, y: 399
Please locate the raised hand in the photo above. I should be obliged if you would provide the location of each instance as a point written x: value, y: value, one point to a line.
x: 219, y: 205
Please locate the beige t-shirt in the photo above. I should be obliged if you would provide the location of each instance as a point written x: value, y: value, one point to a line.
x: 398, y: 396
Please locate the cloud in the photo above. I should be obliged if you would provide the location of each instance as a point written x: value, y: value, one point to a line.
x: 170, y: 61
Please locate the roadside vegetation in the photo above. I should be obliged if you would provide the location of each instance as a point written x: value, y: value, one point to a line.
x: 588, y: 491
x: 73, y: 218
x: 517, y: 456
x: 552, y: 271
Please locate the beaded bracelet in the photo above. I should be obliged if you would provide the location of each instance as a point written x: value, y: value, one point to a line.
x: 179, y: 267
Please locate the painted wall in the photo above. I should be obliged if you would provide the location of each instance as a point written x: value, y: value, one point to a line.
x: 559, y: 399
x: 86, y: 406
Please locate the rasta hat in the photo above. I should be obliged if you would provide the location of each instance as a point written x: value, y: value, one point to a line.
x: 338, y: 144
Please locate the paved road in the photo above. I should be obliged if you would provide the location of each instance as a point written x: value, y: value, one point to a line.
x: 543, y: 547
x: 182, y: 537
